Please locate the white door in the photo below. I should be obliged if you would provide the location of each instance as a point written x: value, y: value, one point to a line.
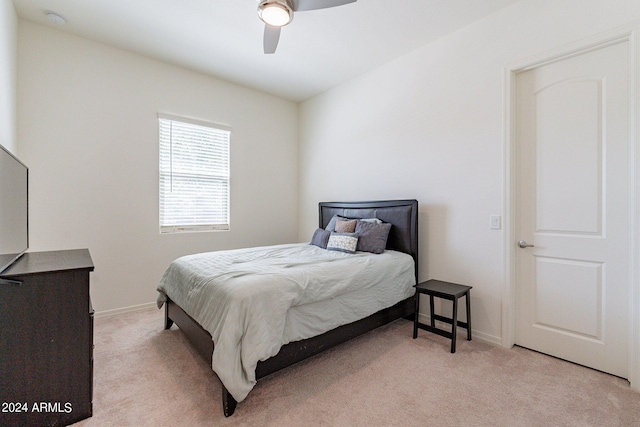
x: 572, y: 204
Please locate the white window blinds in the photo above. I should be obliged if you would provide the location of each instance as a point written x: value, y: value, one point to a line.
x: 194, y: 176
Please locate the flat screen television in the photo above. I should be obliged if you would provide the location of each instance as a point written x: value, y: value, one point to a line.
x: 14, y: 208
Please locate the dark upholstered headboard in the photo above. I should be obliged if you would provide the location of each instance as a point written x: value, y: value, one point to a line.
x: 401, y: 214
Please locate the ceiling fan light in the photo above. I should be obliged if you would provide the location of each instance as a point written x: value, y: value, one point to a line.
x: 275, y: 14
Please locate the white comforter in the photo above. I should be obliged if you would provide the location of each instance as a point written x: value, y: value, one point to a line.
x: 244, y: 298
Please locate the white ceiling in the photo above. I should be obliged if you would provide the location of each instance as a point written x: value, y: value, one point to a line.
x: 223, y: 38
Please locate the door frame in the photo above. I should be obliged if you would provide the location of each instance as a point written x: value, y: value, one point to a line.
x: 630, y: 34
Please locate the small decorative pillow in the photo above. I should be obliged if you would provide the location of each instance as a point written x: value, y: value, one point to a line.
x: 345, y: 226
x: 331, y: 226
x: 320, y: 238
x: 343, y: 242
x: 372, y: 236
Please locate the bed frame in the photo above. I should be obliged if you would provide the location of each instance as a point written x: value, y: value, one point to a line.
x: 403, y: 237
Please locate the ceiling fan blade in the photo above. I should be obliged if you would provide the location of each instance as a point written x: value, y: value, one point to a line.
x: 271, y: 38
x: 318, y: 4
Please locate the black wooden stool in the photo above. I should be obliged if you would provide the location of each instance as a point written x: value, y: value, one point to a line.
x: 448, y: 291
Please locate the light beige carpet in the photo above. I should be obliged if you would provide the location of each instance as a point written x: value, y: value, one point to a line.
x: 145, y: 376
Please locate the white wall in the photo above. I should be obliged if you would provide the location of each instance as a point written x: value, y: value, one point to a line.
x: 8, y: 59
x: 429, y: 125
x: 88, y: 130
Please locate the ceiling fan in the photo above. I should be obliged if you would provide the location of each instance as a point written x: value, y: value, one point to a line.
x: 277, y: 13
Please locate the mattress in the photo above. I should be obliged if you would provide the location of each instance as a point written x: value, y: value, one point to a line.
x: 254, y: 300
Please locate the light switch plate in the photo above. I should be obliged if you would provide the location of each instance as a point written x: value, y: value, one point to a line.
x: 495, y: 222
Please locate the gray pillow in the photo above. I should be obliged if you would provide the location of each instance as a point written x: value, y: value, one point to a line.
x: 372, y: 236
x: 331, y: 226
x: 320, y: 238
x: 332, y: 222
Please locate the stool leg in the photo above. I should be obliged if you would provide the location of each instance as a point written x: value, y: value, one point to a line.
x: 454, y: 321
x: 415, y: 318
x: 433, y: 320
x: 469, y: 315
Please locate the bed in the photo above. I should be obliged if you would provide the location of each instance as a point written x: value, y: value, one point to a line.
x: 298, y: 341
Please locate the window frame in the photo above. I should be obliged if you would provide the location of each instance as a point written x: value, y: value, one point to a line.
x: 198, y: 227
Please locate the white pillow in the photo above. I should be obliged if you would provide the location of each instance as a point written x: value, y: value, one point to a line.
x: 343, y: 242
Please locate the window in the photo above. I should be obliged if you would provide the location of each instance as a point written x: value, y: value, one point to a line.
x: 194, y: 176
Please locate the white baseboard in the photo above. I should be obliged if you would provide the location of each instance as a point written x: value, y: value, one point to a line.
x: 475, y: 334
x: 423, y: 319
x: 132, y: 308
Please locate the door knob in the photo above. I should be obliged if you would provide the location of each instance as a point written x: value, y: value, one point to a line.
x: 524, y: 244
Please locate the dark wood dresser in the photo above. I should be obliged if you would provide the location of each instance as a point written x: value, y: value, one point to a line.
x: 46, y: 339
